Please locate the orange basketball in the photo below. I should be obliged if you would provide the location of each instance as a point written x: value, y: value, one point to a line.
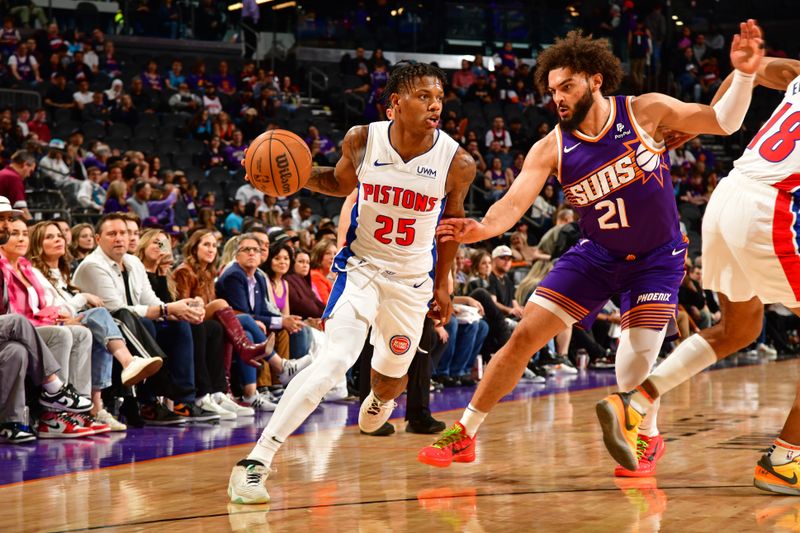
x: 278, y: 163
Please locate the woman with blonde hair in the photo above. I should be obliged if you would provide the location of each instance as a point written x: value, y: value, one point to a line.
x: 155, y: 252
x: 50, y: 262
x: 83, y: 242
x: 116, y: 198
x: 479, y: 271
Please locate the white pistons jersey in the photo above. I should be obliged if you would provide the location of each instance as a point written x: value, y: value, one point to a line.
x: 399, y: 204
x: 772, y: 157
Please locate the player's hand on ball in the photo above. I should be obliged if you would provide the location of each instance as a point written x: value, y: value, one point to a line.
x: 464, y: 230
x: 242, y: 162
x: 747, y: 47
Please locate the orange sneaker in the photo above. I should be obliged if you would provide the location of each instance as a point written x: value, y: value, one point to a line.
x: 649, y: 450
x: 453, y: 445
x: 783, y: 479
x: 620, y: 424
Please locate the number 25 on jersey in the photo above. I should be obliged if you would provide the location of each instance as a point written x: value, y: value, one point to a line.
x: 403, y: 236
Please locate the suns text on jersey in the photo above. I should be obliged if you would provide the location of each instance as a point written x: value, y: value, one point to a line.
x: 595, y: 186
x: 397, y: 196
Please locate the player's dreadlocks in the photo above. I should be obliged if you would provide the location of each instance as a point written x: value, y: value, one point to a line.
x: 406, y: 73
x: 580, y: 54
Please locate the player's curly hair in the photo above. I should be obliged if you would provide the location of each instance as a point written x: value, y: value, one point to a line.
x: 580, y: 53
x: 406, y: 73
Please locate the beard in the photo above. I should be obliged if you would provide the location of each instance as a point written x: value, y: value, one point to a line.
x: 4, y: 235
x: 582, y: 108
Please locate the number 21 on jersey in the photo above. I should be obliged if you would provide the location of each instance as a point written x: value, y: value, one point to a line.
x: 612, y: 209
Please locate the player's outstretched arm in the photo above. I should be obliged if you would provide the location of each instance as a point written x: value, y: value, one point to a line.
x: 341, y: 180
x: 657, y: 112
x: 776, y: 73
x: 541, y: 162
x: 773, y: 72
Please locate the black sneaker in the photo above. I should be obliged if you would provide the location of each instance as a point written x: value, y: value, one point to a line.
x: 384, y: 431
x: 66, y: 399
x: 155, y: 414
x: 426, y: 425
x: 16, y: 433
x: 466, y: 381
x: 191, y: 412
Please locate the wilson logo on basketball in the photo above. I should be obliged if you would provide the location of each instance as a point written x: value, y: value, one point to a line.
x: 285, y: 173
x: 399, y: 344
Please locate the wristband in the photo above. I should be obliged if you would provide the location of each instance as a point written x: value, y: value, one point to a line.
x: 732, y: 107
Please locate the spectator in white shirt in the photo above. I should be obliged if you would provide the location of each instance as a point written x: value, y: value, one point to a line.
x: 120, y: 280
x: 211, y: 101
x: 247, y: 193
x: 83, y: 95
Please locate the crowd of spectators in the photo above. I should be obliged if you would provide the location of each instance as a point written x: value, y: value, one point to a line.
x: 206, y: 268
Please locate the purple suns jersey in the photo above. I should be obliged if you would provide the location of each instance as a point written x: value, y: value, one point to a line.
x: 620, y: 184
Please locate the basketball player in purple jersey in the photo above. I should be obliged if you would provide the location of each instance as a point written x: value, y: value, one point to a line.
x: 750, y: 258
x: 608, y: 153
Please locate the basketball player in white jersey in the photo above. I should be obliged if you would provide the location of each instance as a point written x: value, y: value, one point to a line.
x: 750, y: 257
x: 408, y: 174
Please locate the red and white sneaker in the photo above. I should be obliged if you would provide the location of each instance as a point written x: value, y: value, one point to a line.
x: 54, y: 425
x: 453, y: 445
x: 648, y: 450
x: 88, y: 421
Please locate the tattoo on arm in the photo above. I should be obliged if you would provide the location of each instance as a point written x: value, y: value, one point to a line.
x: 323, y: 179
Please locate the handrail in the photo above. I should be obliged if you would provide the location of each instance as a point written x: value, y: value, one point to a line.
x: 476, y: 190
x: 249, y: 51
x: 322, y: 86
x: 16, y: 98
x: 353, y: 104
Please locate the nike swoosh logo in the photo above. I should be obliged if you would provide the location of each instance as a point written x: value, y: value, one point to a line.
x: 628, y: 425
x: 381, y: 164
x: 678, y: 252
x: 418, y: 285
x: 54, y: 426
x: 655, y: 452
x: 459, y: 450
x: 768, y: 467
x: 571, y: 148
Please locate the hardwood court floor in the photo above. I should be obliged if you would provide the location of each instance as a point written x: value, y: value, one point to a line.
x: 541, y: 467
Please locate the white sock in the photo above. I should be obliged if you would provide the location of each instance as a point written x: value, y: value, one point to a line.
x: 472, y: 420
x: 54, y: 386
x: 692, y: 357
x: 649, y: 424
x: 265, y: 449
x: 781, y: 452
x: 250, y: 399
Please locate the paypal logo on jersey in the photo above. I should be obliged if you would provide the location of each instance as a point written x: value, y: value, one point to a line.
x: 621, y: 131
x: 426, y: 172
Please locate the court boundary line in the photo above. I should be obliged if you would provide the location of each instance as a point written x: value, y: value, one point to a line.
x: 261, y: 509
x: 233, y: 446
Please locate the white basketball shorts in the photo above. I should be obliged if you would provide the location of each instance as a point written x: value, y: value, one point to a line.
x: 750, y: 242
x: 395, y: 307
